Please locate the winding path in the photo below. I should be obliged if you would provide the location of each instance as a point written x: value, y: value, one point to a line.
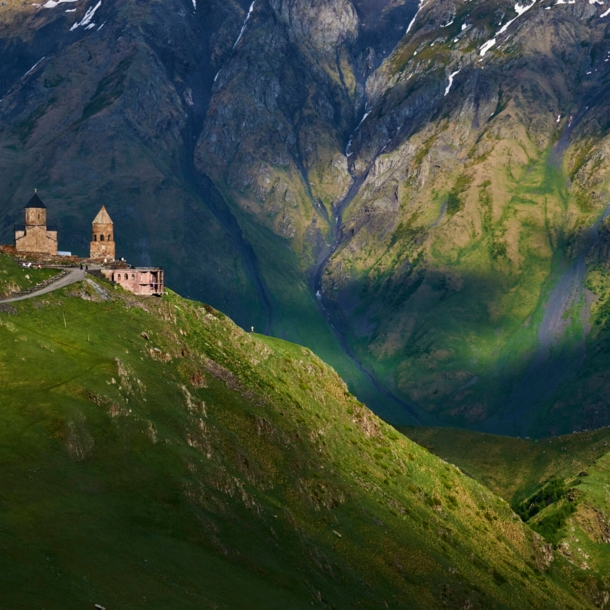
x: 73, y: 276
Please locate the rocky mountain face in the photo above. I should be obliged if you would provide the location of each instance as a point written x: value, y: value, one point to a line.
x: 420, y: 187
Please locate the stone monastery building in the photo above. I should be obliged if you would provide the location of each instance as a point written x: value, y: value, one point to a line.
x: 35, y: 237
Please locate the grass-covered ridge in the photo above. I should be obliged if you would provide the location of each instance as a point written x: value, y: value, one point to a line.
x: 154, y: 455
x: 558, y: 486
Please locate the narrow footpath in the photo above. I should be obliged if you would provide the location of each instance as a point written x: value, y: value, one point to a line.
x: 73, y: 276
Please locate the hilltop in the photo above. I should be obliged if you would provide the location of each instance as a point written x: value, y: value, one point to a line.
x: 155, y: 455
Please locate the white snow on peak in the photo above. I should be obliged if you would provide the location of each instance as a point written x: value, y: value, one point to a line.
x: 451, y: 77
x: 32, y: 68
x: 558, y: 118
x: 54, y: 3
x: 243, y: 27
x: 606, y: 13
x: 596, y: 2
x: 217, y: 75
x: 88, y: 18
x: 487, y: 46
x: 464, y: 26
x: 446, y: 25
x: 519, y: 10
x: 71, y: 10
x: 195, y: 4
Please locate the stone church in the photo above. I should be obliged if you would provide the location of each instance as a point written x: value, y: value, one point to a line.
x: 35, y: 235
x: 102, y: 240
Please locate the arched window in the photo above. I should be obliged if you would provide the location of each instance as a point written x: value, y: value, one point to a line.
x: 95, y: 238
x: 133, y: 276
x: 109, y: 238
x: 127, y: 276
x: 101, y: 238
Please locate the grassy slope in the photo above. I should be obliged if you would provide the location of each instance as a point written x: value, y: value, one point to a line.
x: 15, y: 278
x: 513, y: 467
x: 518, y: 469
x: 206, y: 467
x: 297, y: 316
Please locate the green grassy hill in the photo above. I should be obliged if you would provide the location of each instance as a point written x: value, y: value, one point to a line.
x: 559, y: 486
x: 154, y: 455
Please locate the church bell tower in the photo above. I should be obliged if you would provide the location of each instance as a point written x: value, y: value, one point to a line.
x: 102, y: 246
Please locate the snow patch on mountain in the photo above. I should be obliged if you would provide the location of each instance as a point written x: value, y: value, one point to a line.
x: 421, y: 5
x: 451, y: 77
x: 32, y: 68
x: 519, y: 10
x: 88, y: 18
x: 243, y: 27
x: 486, y: 47
x: 54, y: 3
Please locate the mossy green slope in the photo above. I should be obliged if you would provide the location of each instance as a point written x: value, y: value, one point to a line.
x: 559, y: 486
x: 155, y: 455
x: 513, y: 468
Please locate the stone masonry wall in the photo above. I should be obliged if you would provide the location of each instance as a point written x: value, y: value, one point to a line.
x: 36, y: 239
x: 102, y: 242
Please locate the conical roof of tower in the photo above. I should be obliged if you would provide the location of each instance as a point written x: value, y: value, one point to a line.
x: 35, y: 202
x: 103, y: 217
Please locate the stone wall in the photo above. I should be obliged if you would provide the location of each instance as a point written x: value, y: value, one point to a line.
x: 36, y: 217
x: 36, y: 239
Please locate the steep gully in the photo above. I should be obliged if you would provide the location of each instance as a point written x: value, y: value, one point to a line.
x: 372, y: 14
x: 338, y: 239
x: 224, y: 215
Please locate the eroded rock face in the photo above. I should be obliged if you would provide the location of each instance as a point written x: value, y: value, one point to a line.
x: 321, y: 24
x: 430, y: 183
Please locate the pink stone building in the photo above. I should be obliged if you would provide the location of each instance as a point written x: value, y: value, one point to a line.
x: 145, y: 281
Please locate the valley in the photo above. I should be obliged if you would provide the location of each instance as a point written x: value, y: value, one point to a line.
x: 379, y: 376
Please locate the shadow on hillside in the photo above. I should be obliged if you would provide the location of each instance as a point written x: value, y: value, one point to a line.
x: 458, y: 363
